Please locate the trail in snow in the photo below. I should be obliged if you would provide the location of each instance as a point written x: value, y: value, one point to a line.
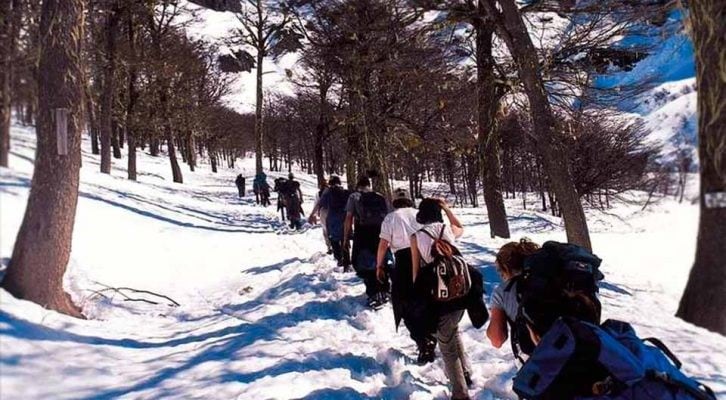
x: 267, y: 315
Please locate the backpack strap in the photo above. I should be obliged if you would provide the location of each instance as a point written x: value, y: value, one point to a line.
x: 662, y: 347
x: 706, y: 393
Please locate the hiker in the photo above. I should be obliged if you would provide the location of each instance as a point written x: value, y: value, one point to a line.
x: 504, y: 304
x: 366, y: 210
x: 576, y: 358
x: 278, y: 188
x: 534, y: 273
x: 396, y: 231
x: 240, y: 182
x: 261, y: 189
x: 293, y: 202
x: 322, y: 212
x: 445, y: 315
x: 334, y: 200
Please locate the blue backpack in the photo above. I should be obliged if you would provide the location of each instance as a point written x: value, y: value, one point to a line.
x: 578, y: 360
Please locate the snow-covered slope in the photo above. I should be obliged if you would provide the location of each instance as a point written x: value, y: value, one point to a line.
x: 265, y: 314
x: 669, y: 108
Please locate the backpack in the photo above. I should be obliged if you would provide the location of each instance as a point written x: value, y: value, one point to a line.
x: 338, y: 198
x: 578, y: 360
x: 547, y: 274
x: 372, y: 209
x: 451, y: 276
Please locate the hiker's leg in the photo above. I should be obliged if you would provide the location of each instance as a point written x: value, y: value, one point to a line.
x: 324, y: 223
x: 370, y: 281
x: 449, y: 342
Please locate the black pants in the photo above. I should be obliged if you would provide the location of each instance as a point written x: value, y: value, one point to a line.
x: 366, y: 238
x: 406, y: 304
x: 241, y: 190
x: 341, y: 255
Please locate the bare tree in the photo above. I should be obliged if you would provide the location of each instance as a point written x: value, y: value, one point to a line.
x: 43, y: 245
x: 10, y: 14
x: 265, y: 30
x: 112, y: 15
x: 511, y: 28
x: 705, y: 294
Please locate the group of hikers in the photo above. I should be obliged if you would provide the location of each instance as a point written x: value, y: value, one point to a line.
x: 546, y: 305
x: 289, y: 196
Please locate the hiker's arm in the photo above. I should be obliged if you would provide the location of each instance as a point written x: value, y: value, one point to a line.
x: 347, y: 227
x: 313, y: 214
x: 415, y: 257
x: 456, y: 226
x: 497, y: 329
x: 381, y: 255
x: 380, y: 258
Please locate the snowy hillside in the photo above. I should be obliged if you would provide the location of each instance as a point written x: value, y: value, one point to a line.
x: 265, y: 314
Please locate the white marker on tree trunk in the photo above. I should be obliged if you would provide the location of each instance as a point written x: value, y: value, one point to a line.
x: 715, y: 200
x: 61, y: 130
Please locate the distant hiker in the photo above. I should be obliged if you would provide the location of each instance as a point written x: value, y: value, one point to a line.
x: 240, y: 182
x: 261, y: 189
x: 280, y: 184
x: 439, y: 271
x: 334, y: 200
x: 576, y: 358
x: 366, y: 210
x: 323, y: 213
x: 396, y: 231
x: 505, y: 305
x: 293, y: 202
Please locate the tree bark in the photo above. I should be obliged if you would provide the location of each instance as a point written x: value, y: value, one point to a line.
x: 109, y: 86
x: 487, y: 108
x: 705, y: 294
x: 116, y: 139
x: 43, y: 245
x: 549, y: 141
x: 10, y: 12
x: 259, y: 123
x: 132, y: 98
x: 321, y: 131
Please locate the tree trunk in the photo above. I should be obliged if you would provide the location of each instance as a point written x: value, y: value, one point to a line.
x: 109, y: 86
x: 7, y: 43
x: 43, y: 245
x: 116, y: 139
x: 705, y: 294
x: 190, y: 152
x: 550, y: 143
x: 259, y: 133
x: 213, y: 161
x: 175, y: 169
x: 487, y: 108
x: 132, y: 97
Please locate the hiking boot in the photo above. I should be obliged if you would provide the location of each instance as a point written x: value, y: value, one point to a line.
x: 374, y: 303
x: 426, y: 352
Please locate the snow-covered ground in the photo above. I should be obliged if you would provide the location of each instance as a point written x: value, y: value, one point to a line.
x: 265, y: 314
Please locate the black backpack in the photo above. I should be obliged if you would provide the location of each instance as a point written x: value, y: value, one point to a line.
x: 372, y: 209
x: 338, y: 198
x: 548, y: 274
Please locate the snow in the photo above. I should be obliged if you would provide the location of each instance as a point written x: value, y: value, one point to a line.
x: 265, y: 314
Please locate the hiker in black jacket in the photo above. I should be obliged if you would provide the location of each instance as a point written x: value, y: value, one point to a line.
x: 365, y: 211
x: 240, y: 182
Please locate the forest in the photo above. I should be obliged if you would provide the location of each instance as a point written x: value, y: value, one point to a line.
x: 498, y: 102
